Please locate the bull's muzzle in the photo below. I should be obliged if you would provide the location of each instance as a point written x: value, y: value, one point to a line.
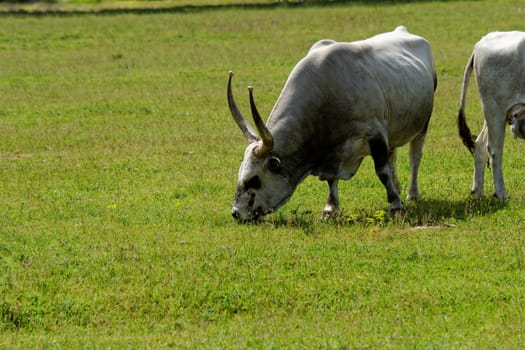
x: 517, y: 126
x: 253, y: 216
x: 235, y: 213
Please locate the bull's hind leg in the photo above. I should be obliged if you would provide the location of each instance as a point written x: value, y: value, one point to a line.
x: 481, y: 157
x: 331, y: 207
x: 496, y: 139
x: 415, y: 156
x: 379, y: 150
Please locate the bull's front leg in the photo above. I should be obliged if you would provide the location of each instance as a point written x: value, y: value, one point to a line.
x: 331, y: 207
x: 379, y: 151
x: 392, y: 160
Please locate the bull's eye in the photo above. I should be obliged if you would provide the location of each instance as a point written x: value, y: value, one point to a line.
x: 273, y: 164
x: 254, y: 183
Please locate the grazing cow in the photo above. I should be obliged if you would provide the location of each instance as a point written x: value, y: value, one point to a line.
x: 342, y: 102
x: 498, y: 62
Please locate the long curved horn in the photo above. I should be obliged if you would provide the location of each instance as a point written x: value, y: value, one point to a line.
x: 243, y: 124
x: 264, y: 133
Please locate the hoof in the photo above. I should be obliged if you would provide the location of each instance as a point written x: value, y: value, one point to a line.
x: 330, y: 212
x: 396, y: 206
x: 477, y: 194
x: 502, y: 197
x: 412, y: 196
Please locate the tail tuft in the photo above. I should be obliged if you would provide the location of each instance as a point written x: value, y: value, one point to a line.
x: 464, y: 132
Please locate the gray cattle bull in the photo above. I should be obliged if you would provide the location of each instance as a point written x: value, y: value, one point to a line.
x: 342, y: 102
x: 498, y: 62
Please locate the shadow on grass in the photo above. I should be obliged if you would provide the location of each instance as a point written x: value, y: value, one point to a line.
x: 424, y: 212
x: 439, y: 212
x: 13, y: 8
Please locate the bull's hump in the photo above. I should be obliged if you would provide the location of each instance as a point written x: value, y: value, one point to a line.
x: 401, y: 29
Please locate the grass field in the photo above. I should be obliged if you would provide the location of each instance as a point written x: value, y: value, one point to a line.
x: 118, y: 165
x: 103, y: 6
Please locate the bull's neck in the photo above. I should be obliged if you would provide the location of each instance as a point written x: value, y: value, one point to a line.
x: 293, y: 134
x: 293, y: 120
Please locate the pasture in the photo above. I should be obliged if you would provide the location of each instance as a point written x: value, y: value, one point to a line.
x: 118, y: 165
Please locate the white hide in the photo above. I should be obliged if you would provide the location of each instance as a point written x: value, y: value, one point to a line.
x: 337, y: 99
x: 498, y: 62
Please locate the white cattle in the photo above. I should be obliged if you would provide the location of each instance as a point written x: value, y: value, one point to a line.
x: 342, y: 102
x: 498, y: 62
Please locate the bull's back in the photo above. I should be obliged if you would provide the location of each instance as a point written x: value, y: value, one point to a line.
x: 499, y: 65
x: 400, y: 78
x: 400, y: 64
x: 387, y: 80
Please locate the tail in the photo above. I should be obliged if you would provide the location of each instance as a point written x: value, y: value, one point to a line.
x: 464, y: 131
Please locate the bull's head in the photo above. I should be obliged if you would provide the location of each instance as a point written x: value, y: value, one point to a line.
x: 516, y: 119
x: 262, y: 185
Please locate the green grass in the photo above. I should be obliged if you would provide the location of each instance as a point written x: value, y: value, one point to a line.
x: 118, y: 164
x: 104, y: 6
